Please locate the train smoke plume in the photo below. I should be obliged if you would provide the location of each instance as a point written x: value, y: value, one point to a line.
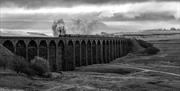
x: 58, y: 25
x: 81, y: 26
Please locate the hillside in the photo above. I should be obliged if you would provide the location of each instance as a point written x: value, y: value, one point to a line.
x: 5, y: 54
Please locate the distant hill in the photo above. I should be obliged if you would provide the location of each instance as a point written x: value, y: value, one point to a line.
x: 36, y: 34
x: 151, y: 32
x: 160, y: 31
x: 21, y: 33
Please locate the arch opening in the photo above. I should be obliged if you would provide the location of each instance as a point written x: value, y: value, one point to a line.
x: 114, y: 49
x: 83, y: 53
x: 43, y: 51
x: 107, y: 52
x: 70, y: 57
x: 99, y: 52
x: 60, y: 56
x: 111, y: 51
x: 77, y: 54
x: 104, y: 52
x: 21, y: 48
x: 121, y: 48
x: 89, y: 53
x: 9, y: 45
x: 118, y: 49
x: 32, y: 50
x: 52, y: 56
x: 94, y: 53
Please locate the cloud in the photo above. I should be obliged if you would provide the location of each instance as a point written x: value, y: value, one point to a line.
x: 155, y: 9
x: 149, y: 16
x: 129, y: 10
x: 67, y: 3
x: 39, y: 14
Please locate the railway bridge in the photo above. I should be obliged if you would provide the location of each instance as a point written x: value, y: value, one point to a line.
x: 67, y: 52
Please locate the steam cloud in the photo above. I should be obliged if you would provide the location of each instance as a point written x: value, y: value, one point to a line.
x: 56, y: 26
x: 81, y: 26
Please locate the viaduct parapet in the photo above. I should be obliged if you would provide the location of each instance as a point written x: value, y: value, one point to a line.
x: 67, y: 52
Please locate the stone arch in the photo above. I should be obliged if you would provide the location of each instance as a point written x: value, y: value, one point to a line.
x: 83, y: 52
x: 114, y: 49
x: 9, y: 45
x: 43, y: 51
x: 94, y: 52
x: 60, y: 56
x: 52, y: 56
x: 119, y: 50
x: 104, y: 51
x: 70, y: 56
x: 77, y: 54
x: 125, y: 47
x: 129, y: 45
x: 89, y: 53
x: 99, y: 52
x: 122, y: 47
x: 107, y: 51
x: 32, y: 50
x: 111, y: 50
x: 21, y: 48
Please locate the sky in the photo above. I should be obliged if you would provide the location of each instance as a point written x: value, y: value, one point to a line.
x: 117, y: 15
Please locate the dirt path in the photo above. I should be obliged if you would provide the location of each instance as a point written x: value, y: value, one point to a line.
x: 149, y: 70
x: 169, y: 66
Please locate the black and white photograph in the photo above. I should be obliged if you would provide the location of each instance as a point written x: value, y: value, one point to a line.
x: 89, y: 45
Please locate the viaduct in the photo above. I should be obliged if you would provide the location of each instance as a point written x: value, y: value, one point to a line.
x: 67, y: 52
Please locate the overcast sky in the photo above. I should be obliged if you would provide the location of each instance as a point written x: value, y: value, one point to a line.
x: 120, y: 15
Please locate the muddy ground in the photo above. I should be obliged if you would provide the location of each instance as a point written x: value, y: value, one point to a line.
x: 159, y: 72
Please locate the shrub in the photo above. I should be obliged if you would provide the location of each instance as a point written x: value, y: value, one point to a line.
x: 20, y: 65
x: 151, y: 50
x: 40, y: 66
x: 2, y: 63
x: 144, y: 44
x: 6, y: 61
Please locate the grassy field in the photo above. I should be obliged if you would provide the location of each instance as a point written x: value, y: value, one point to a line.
x: 159, y: 72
